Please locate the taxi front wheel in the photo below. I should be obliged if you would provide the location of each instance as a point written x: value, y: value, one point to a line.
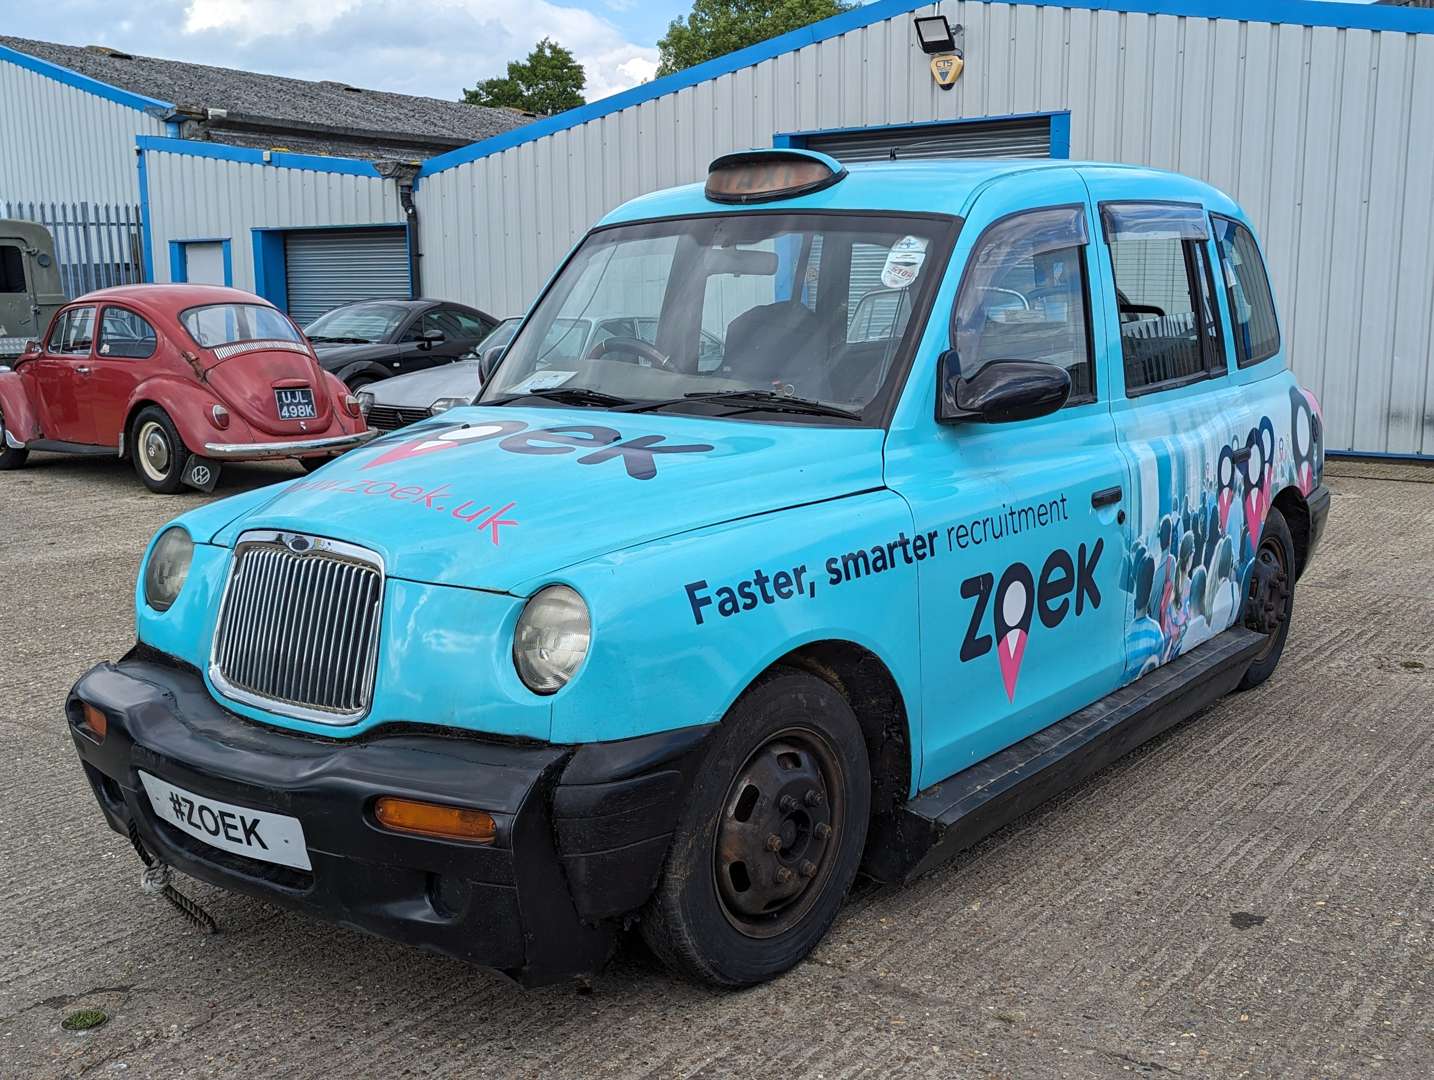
x: 769, y: 842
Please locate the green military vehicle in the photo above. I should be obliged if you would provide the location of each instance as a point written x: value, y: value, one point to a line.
x: 30, y: 289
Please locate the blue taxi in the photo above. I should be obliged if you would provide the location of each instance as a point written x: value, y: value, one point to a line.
x: 923, y: 491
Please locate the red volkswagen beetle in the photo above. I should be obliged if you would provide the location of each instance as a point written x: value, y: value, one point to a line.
x: 178, y: 378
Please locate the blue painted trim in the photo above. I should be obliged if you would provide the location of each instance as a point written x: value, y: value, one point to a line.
x: 280, y: 159
x: 1061, y: 135
x: 1377, y: 455
x: 146, y: 230
x: 82, y: 82
x: 179, y: 257
x: 271, y: 279
x: 1297, y: 12
x: 797, y: 140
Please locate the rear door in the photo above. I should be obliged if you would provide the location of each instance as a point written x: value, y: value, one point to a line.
x: 1188, y: 438
x: 1018, y: 526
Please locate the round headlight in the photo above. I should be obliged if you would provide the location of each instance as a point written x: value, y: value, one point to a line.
x: 551, y: 639
x: 167, y: 568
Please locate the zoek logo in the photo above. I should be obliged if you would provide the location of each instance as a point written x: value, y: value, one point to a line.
x: 1019, y: 597
x: 638, y: 454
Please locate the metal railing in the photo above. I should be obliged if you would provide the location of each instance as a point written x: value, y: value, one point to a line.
x: 96, y: 245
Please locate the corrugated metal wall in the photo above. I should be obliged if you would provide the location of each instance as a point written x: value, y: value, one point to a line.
x: 194, y: 198
x: 59, y: 144
x: 1323, y: 134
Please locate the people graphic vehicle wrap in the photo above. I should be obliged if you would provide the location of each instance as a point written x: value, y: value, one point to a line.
x: 924, y: 490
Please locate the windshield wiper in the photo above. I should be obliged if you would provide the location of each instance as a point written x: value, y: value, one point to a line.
x: 769, y: 399
x: 341, y: 340
x: 567, y: 395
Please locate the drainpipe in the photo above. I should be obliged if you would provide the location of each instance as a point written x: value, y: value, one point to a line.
x: 404, y: 174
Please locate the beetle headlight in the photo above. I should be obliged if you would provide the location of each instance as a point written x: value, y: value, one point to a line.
x: 551, y: 639
x: 167, y: 568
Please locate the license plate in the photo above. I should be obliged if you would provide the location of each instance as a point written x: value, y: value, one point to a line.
x: 257, y: 834
x: 295, y: 404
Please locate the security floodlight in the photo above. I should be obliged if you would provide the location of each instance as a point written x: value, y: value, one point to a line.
x: 934, y: 34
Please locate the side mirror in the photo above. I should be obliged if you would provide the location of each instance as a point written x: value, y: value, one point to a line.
x: 488, y: 362
x: 1002, y: 391
x: 431, y: 338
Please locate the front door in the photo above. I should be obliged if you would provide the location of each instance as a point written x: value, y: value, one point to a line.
x: 60, y: 377
x: 1020, y: 524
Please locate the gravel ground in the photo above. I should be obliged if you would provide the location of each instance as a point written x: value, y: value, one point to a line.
x: 1250, y: 895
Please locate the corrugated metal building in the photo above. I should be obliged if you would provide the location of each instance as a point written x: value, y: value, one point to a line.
x: 1315, y: 116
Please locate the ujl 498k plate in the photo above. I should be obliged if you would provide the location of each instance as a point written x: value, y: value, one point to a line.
x: 257, y: 834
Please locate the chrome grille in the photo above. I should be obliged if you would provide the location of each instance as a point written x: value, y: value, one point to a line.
x: 388, y: 417
x: 298, y: 627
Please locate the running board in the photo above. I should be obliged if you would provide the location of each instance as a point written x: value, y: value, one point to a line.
x: 954, y: 814
x: 59, y: 446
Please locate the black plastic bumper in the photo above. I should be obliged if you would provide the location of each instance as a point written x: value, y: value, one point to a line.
x: 582, y: 831
x: 1318, y: 503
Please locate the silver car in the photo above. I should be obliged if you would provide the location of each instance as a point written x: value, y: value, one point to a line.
x: 406, y: 399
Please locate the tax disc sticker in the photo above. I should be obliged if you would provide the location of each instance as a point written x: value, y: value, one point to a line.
x: 903, y: 262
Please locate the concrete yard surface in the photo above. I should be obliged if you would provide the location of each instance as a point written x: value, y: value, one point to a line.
x: 1250, y: 895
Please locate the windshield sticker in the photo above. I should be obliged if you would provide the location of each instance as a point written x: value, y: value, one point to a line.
x: 542, y: 380
x: 903, y: 262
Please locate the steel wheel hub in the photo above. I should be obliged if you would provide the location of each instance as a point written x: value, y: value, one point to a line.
x: 1267, y: 605
x: 154, y: 445
x: 778, y: 827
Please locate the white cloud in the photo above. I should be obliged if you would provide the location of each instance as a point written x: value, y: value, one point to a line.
x: 432, y: 47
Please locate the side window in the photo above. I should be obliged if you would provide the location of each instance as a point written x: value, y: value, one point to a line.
x: 12, y: 269
x: 1025, y: 296
x: 466, y: 325
x: 124, y: 335
x: 74, y: 332
x: 1169, y: 329
x: 1247, y: 289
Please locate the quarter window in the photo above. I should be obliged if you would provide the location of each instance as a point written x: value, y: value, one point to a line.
x: 1247, y: 289
x: 124, y: 335
x: 1169, y: 330
x: 1025, y: 297
x: 74, y: 332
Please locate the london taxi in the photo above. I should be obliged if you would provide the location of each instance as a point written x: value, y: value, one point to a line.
x: 999, y: 471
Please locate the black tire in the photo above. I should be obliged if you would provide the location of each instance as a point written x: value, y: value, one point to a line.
x: 358, y: 382
x: 157, y: 451
x: 788, y: 735
x: 10, y: 458
x: 1270, y: 600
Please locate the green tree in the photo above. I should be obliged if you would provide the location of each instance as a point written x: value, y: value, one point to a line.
x: 547, y: 82
x: 717, y: 27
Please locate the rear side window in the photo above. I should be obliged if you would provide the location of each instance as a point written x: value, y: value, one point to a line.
x: 1247, y: 289
x: 124, y: 335
x: 1025, y: 296
x: 1169, y: 329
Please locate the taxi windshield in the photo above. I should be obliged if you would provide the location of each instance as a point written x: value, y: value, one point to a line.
x: 765, y: 312
x: 220, y: 324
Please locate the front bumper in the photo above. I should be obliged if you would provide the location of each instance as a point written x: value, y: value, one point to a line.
x: 582, y: 831
x: 291, y: 448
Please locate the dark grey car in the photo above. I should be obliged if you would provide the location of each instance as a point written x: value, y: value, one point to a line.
x: 375, y: 339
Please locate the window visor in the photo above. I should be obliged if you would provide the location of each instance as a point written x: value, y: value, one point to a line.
x: 1154, y: 221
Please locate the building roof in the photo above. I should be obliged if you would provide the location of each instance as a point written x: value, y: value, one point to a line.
x: 273, y: 111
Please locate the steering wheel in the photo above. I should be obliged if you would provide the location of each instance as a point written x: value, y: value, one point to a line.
x: 635, y: 346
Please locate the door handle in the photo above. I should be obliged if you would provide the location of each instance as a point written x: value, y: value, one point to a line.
x: 1106, y: 496
x: 83, y: 370
x: 1242, y: 456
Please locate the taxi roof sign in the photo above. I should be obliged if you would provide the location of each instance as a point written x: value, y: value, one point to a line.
x: 751, y: 176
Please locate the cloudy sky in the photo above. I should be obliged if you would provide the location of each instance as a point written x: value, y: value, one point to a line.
x: 432, y: 47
